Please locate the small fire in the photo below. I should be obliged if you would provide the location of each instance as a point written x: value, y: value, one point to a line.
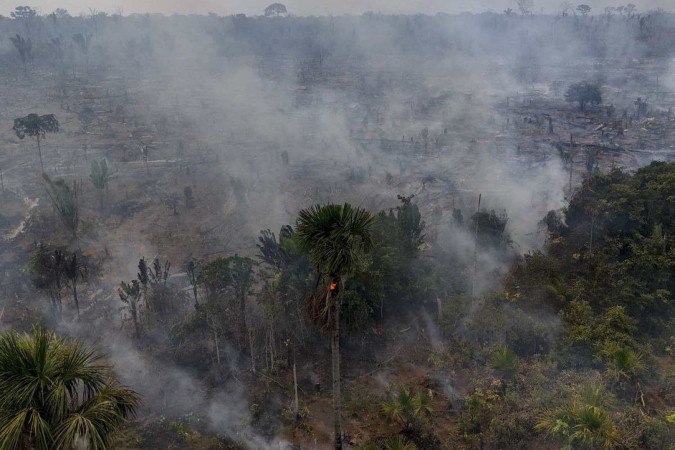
x: 332, y: 286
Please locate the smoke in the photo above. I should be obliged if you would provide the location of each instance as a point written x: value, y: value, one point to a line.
x: 309, y: 7
x: 263, y: 117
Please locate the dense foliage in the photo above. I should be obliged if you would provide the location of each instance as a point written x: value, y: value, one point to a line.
x: 55, y: 395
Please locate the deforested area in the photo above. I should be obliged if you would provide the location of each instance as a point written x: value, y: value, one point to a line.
x: 368, y: 230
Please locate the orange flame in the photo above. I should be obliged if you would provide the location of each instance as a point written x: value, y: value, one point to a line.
x: 332, y: 286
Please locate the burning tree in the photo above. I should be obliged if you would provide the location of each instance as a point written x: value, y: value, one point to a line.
x: 335, y: 237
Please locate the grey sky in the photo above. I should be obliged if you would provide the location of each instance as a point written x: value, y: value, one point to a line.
x: 308, y: 7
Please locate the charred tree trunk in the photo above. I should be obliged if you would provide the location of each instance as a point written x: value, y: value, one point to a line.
x: 296, y: 402
x: 42, y: 168
x: 134, y: 317
x: 335, y: 360
x: 77, y: 303
x: 215, y: 342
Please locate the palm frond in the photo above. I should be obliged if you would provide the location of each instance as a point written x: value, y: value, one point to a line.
x: 335, y: 236
x: 53, y: 394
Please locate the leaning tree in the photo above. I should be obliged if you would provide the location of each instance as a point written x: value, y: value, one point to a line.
x: 336, y: 237
x: 36, y: 126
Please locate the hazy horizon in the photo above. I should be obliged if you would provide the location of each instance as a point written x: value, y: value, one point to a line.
x: 310, y: 7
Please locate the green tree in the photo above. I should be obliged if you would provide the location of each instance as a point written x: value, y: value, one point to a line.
x: 235, y: 273
x: 54, y: 394
x: 36, y: 126
x: 241, y: 279
x: 407, y: 408
x: 505, y: 362
x: 584, y: 93
x: 410, y: 224
x: 583, y: 422
x: 491, y: 229
x: 335, y: 237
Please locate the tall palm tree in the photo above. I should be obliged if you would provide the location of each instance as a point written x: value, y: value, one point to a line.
x: 54, y: 395
x: 336, y: 237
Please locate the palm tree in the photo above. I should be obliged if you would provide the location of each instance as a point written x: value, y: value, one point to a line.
x: 335, y: 237
x: 583, y: 422
x: 54, y: 395
x: 407, y: 408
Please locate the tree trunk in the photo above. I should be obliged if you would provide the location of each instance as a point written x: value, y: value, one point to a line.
x: 335, y: 357
x: 42, y: 168
x: 475, y: 250
x: 215, y: 340
x: 250, y: 349
x: 77, y: 303
x: 134, y: 317
x: 243, y: 330
x: 296, y: 403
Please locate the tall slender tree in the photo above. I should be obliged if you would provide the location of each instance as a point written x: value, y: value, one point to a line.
x: 25, y: 49
x: 74, y: 270
x: 36, y: 126
x: 336, y: 237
